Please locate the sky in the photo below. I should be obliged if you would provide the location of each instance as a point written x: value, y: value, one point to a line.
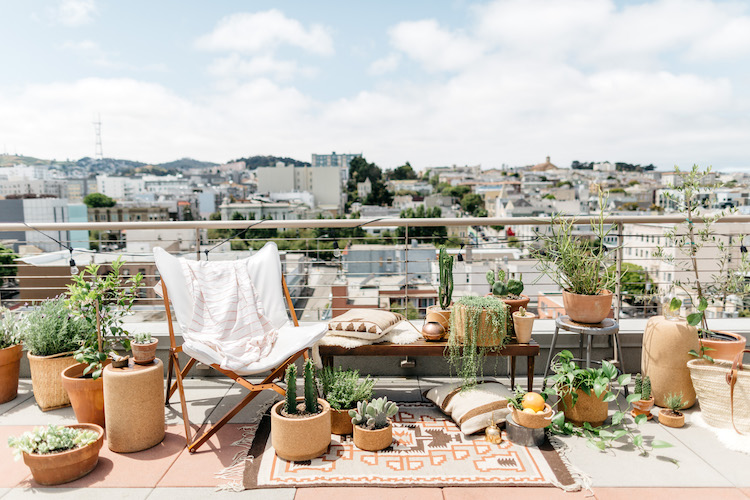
x: 431, y: 82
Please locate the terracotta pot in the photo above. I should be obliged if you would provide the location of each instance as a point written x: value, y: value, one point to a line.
x: 487, y: 335
x: 341, y: 422
x: 144, y: 354
x: 433, y: 331
x: 588, y: 408
x: 376, y: 440
x: 442, y: 316
x: 46, y: 381
x: 516, y: 304
x: 669, y: 419
x: 10, y: 365
x: 58, y: 468
x: 725, y: 349
x: 642, y: 407
x: 86, y: 395
x: 523, y: 326
x: 664, y: 358
x: 588, y: 309
x: 532, y: 420
x: 299, y: 439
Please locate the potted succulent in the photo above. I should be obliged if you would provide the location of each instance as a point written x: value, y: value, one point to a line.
x: 373, y: 430
x: 671, y: 416
x: 643, y: 405
x: 530, y: 410
x: 301, y: 427
x: 51, y: 333
x: 59, y: 454
x: 581, y: 268
x: 507, y: 290
x: 10, y: 355
x: 478, y: 325
x: 523, y: 322
x: 101, y: 301
x: 143, y: 347
x: 342, y: 389
x: 441, y: 313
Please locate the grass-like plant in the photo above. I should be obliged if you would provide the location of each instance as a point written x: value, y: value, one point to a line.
x: 674, y: 403
x: 51, y: 439
x: 343, y: 388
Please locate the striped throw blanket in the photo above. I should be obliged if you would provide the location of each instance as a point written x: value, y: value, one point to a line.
x: 228, y: 315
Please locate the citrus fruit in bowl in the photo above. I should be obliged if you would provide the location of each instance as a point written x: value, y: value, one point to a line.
x: 534, y: 401
x: 531, y: 418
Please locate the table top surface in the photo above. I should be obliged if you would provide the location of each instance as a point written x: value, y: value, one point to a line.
x: 606, y: 327
x: 422, y: 347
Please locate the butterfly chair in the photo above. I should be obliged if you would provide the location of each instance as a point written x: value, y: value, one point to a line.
x: 292, y: 342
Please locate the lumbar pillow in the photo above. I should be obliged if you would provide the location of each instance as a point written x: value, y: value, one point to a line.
x: 473, y: 408
x: 368, y: 324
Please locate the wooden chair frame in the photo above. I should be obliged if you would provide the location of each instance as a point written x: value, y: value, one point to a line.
x: 255, y: 389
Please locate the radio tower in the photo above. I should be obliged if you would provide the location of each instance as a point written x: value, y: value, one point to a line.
x: 98, y: 152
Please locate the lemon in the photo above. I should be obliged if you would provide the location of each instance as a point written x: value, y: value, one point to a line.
x: 529, y: 410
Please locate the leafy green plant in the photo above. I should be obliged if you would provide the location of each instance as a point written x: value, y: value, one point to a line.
x: 445, y: 290
x: 142, y: 338
x: 51, y: 439
x: 343, y: 388
x: 51, y: 329
x: 291, y: 389
x: 373, y: 415
x: 10, y: 328
x: 517, y: 399
x: 504, y: 287
x: 464, y: 355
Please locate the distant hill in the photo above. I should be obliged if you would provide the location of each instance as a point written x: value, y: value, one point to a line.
x: 185, y: 164
x: 10, y: 160
x: 254, y: 162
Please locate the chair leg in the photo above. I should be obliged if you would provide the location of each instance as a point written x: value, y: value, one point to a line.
x: 580, y: 346
x: 183, y: 401
x: 169, y: 380
x: 191, y: 362
x: 551, y: 351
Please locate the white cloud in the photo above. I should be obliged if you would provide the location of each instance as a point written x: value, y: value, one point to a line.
x: 263, y: 32
x: 234, y: 66
x: 385, y: 64
x: 435, y: 48
x: 75, y: 12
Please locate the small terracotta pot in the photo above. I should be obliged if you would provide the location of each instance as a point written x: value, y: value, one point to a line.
x: 433, y: 331
x: 341, y: 422
x: 588, y: 408
x: 725, y: 349
x: 144, y: 354
x: 588, y: 309
x: 669, y: 419
x: 442, y: 316
x: 532, y: 421
x: 58, y: 468
x: 523, y: 326
x: 46, y: 382
x: 643, y: 407
x: 516, y: 304
x: 376, y: 440
x: 299, y: 439
x: 86, y: 395
x: 10, y: 365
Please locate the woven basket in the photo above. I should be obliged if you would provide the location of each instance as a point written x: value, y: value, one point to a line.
x: 712, y: 389
x: 46, y: 381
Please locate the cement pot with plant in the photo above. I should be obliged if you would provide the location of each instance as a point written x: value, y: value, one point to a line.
x: 373, y: 430
x: 342, y: 389
x: 523, y: 323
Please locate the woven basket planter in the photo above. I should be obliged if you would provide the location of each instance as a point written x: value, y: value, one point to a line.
x: 46, y: 380
x: 712, y: 389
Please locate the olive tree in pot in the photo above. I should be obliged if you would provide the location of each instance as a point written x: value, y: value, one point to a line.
x: 373, y: 430
x: 342, y: 389
x: 441, y: 313
x: 10, y: 354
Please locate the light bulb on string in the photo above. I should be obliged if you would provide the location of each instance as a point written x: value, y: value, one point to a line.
x: 73, y: 267
x: 336, y: 249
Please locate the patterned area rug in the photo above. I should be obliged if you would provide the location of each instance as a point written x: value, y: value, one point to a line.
x: 428, y: 450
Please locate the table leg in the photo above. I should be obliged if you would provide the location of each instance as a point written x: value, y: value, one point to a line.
x: 327, y: 360
x: 512, y: 372
x: 530, y: 371
x: 551, y: 350
x: 580, y: 346
x: 588, y: 350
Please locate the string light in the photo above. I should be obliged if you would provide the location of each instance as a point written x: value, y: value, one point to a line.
x: 73, y: 267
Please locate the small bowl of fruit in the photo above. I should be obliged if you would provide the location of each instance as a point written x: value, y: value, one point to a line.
x: 530, y: 410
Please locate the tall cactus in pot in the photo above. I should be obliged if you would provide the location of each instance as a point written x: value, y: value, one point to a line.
x: 445, y: 290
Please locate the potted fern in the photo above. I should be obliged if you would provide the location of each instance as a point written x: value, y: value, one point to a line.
x: 671, y: 416
x: 373, y: 430
x: 342, y: 389
x: 441, y: 313
x: 301, y: 427
x: 10, y: 354
x: 643, y: 405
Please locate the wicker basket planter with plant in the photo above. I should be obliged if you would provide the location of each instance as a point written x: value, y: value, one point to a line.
x: 10, y: 354
x: 373, y: 430
x: 523, y: 323
x: 671, y: 416
x: 530, y: 410
x: 143, y: 346
x: 643, y: 405
x: 441, y: 313
x: 301, y: 428
x: 342, y: 389
x: 59, y: 454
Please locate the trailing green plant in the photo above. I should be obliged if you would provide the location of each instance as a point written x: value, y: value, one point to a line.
x: 674, y: 402
x: 102, y: 301
x: 291, y: 389
x: 10, y: 328
x: 504, y: 287
x: 51, y: 439
x: 142, y: 338
x: 311, y: 394
x: 445, y: 289
x: 51, y: 328
x: 374, y: 415
x: 343, y: 388
x: 464, y: 355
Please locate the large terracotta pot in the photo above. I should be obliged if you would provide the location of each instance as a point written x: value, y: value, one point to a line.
x: 46, y: 381
x: 442, y: 316
x: 516, y: 304
x: 58, y: 468
x: 588, y: 309
x: 523, y: 325
x: 144, y: 353
x: 86, y: 395
x: 588, y: 408
x: 725, y: 349
x: 299, y: 439
x: 341, y: 422
x: 487, y: 335
x: 375, y: 440
x: 10, y: 365
x: 664, y: 358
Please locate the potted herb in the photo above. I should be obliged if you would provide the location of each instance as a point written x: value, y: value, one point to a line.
x: 441, y: 313
x: 523, y: 322
x: 301, y: 427
x: 10, y: 354
x: 671, y: 416
x: 51, y: 333
x: 580, y: 267
x: 478, y: 325
x: 507, y: 290
x: 342, y: 389
x: 643, y: 405
x: 59, y: 454
x: 143, y: 347
x: 373, y: 430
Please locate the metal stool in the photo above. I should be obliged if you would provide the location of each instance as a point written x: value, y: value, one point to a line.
x: 607, y: 327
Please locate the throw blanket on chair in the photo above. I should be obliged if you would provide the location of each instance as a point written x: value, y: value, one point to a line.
x: 228, y: 315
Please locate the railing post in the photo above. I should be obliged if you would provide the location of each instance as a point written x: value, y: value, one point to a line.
x: 618, y: 277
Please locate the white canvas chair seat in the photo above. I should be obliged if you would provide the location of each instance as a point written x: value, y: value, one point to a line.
x: 293, y: 341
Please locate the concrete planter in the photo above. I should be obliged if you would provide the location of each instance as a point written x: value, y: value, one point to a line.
x: 523, y: 326
x: 373, y: 440
x: 10, y: 366
x: 299, y: 439
x: 587, y: 309
x: 664, y: 358
x: 58, y: 468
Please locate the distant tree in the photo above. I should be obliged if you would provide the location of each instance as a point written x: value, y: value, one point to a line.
x: 549, y: 196
x: 359, y: 170
x: 456, y: 191
x: 436, y: 234
x: 634, y: 281
x: 98, y: 200
x: 471, y: 202
x: 8, y: 268
x: 404, y: 172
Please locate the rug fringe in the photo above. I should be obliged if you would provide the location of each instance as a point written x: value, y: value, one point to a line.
x: 580, y: 478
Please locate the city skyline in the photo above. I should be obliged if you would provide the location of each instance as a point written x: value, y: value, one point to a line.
x: 432, y: 83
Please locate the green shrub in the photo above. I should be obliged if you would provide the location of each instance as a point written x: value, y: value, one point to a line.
x: 51, y: 439
x: 342, y: 388
x: 51, y: 329
x: 10, y: 328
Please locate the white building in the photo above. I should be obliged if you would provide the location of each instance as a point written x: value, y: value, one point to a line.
x: 323, y: 182
x: 119, y: 188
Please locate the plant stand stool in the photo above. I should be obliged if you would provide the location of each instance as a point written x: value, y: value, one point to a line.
x: 608, y: 327
x: 134, y: 406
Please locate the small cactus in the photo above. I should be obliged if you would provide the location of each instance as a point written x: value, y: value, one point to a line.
x: 522, y: 311
x: 142, y: 338
x: 445, y: 290
x: 375, y: 414
x: 311, y: 395
x: 291, y: 389
x: 502, y: 287
x: 359, y: 415
x: 638, y: 389
x: 646, y: 388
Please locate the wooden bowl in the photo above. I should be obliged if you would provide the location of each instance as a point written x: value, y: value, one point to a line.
x: 533, y: 421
